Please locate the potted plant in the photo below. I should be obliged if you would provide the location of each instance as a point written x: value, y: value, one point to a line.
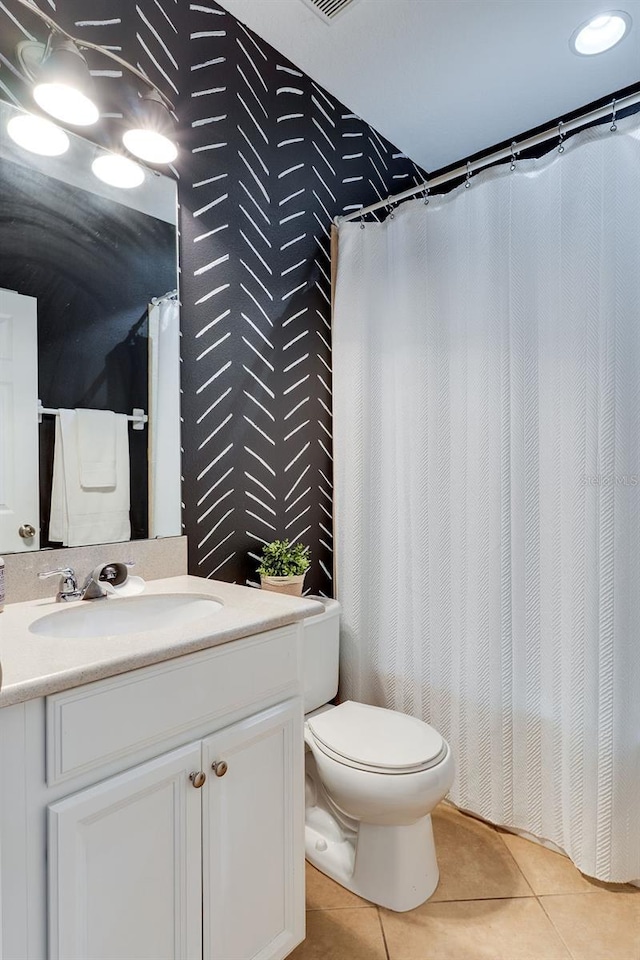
x: 283, y: 566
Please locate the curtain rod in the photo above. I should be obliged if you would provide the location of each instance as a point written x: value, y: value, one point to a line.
x: 515, y: 148
x: 87, y: 45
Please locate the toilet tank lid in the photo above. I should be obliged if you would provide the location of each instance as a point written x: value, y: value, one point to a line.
x: 376, y: 737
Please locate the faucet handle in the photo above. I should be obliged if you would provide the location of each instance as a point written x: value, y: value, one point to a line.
x: 68, y: 589
x: 66, y: 572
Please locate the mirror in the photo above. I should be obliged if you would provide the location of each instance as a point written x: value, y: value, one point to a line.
x: 82, y: 263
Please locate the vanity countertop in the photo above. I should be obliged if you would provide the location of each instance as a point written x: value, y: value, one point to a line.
x: 35, y: 666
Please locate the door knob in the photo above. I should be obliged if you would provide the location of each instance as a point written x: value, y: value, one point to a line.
x: 27, y: 531
x: 219, y: 767
x: 198, y: 779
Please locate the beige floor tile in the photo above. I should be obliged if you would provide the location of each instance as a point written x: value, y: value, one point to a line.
x: 325, y: 894
x: 474, y: 863
x: 473, y: 930
x: 602, y: 926
x: 549, y: 872
x: 342, y: 935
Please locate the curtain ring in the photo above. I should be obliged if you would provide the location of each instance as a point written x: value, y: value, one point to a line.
x: 469, y: 175
x: 390, y: 208
x: 561, y: 136
x: 426, y: 195
x: 361, y: 222
x: 512, y: 165
x: 614, y: 125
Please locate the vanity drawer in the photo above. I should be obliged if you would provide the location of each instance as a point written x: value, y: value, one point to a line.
x: 101, y: 722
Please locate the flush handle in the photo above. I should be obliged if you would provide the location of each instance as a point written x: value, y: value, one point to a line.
x: 219, y: 767
x: 27, y: 531
x: 198, y: 779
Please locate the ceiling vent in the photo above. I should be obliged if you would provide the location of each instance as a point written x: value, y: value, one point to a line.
x: 328, y: 10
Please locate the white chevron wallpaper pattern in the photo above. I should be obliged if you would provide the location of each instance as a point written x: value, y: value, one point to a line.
x: 267, y: 159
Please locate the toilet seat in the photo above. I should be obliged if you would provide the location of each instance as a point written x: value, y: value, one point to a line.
x: 376, y: 740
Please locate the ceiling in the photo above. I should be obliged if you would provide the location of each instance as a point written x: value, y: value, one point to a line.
x: 444, y: 79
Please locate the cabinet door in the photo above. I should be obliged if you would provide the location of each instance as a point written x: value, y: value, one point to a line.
x: 253, y: 835
x: 125, y: 865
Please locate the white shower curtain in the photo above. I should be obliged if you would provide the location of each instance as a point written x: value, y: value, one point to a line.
x: 487, y: 461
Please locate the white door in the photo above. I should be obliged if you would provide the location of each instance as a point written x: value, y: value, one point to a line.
x: 19, y: 488
x: 253, y: 838
x: 125, y: 878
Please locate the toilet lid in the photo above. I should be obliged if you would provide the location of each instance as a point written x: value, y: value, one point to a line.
x: 373, y: 737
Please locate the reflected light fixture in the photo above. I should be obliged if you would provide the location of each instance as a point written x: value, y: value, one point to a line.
x: 600, y: 33
x: 63, y: 86
x: 38, y: 135
x: 118, y: 171
x: 151, y: 138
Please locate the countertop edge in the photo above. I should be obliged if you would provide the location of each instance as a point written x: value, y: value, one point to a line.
x: 169, y: 648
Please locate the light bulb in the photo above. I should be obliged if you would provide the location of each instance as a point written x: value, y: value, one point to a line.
x: 150, y: 145
x: 38, y: 135
x: 66, y: 103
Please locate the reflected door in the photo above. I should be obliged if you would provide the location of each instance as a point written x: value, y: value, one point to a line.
x: 19, y: 503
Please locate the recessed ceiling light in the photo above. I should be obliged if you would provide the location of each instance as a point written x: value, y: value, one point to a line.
x: 600, y: 33
x: 38, y: 135
x: 118, y: 171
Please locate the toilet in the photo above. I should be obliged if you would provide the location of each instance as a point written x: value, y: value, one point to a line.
x: 372, y: 778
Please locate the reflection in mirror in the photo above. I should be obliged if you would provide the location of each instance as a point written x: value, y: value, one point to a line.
x: 86, y: 271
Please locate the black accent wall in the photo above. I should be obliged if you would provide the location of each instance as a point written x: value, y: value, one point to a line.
x: 267, y: 159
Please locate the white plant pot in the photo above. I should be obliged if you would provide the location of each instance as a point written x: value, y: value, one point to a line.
x: 291, y: 585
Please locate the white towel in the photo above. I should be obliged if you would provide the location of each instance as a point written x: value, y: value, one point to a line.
x: 78, y: 516
x: 97, y: 448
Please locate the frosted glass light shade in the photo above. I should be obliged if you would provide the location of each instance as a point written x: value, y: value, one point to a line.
x: 38, y: 135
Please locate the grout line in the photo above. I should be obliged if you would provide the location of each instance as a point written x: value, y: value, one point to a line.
x: 517, y: 865
x: 550, y: 919
x: 509, y: 896
x: 384, y: 936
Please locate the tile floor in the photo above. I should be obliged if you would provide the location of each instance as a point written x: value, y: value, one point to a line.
x: 499, y: 898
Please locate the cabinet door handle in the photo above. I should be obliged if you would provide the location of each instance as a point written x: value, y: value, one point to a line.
x: 219, y: 767
x: 198, y: 779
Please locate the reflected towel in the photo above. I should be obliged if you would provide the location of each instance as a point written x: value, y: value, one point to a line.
x: 96, y: 448
x: 80, y: 517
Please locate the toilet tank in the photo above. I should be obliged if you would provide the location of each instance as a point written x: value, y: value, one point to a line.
x: 320, y: 652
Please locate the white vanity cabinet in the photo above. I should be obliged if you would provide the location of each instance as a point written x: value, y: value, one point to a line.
x: 167, y: 819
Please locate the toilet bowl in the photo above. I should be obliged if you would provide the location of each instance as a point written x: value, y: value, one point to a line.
x: 373, y: 776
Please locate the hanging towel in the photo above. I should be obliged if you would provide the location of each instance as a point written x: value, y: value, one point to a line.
x: 85, y: 516
x: 97, y: 448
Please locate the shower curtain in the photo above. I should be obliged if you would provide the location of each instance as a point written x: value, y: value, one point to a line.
x: 487, y: 466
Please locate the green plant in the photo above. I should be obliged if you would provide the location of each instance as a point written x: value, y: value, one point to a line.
x: 283, y: 559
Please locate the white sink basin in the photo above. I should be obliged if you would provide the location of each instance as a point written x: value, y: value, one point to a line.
x: 120, y: 615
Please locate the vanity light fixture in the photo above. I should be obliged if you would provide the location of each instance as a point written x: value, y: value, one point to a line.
x: 63, y: 88
x: 152, y: 137
x: 38, y: 135
x: 600, y: 33
x: 118, y: 171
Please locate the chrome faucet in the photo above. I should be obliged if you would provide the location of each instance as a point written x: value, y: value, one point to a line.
x: 93, y: 589
x: 68, y: 588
